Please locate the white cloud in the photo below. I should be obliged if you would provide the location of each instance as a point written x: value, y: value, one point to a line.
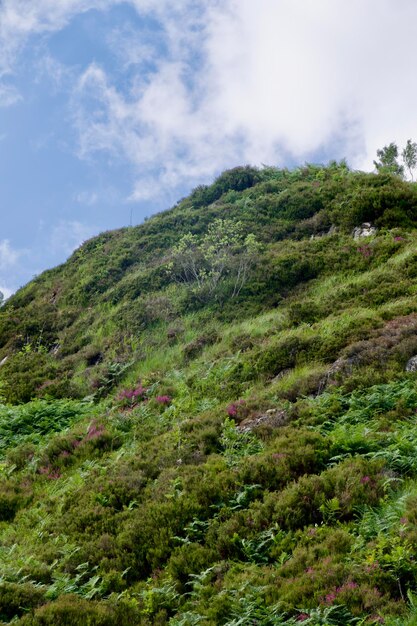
x: 9, y: 95
x: 301, y: 74
x: 9, y: 266
x: 236, y: 81
x: 68, y: 235
x: 275, y: 79
x: 22, y: 19
x: 6, y: 291
x: 88, y: 198
x: 8, y: 255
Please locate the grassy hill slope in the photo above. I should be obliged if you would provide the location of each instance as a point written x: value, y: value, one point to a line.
x: 207, y: 420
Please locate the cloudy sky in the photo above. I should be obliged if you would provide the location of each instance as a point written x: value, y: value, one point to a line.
x: 111, y: 110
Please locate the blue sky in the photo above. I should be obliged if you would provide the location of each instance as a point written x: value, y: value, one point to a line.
x: 111, y: 109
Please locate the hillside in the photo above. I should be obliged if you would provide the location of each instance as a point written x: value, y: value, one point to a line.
x: 208, y: 418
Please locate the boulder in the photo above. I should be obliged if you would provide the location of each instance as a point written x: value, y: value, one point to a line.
x: 274, y: 418
x: 340, y: 369
x: 411, y: 364
x: 365, y: 230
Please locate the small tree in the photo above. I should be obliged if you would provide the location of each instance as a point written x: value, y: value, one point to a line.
x: 409, y: 156
x: 388, y: 160
x: 223, y: 254
x: 187, y: 260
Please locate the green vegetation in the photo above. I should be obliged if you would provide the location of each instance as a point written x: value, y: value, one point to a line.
x: 207, y: 419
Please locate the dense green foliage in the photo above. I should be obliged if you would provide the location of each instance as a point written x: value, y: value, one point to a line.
x: 206, y: 419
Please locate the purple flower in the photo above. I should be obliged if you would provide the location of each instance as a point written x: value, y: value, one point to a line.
x: 232, y: 409
x: 351, y: 585
x: 330, y: 598
x: 163, y: 399
x: 94, y: 431
x: 139, y: 392
x: 365, y: 251
x: 131, y: 397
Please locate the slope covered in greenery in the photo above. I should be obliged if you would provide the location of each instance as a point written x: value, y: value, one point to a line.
x: 207, y: 419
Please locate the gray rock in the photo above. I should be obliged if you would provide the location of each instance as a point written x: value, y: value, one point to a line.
x: 272, y: 417
x: 365, y: 230
x: 411, y: 364
x: 340, y: 369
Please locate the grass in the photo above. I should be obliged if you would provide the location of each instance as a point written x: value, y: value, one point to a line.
x: 269, y: 488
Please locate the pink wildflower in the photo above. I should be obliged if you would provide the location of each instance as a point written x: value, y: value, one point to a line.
x: 163, y: 399
x: 232, y: 409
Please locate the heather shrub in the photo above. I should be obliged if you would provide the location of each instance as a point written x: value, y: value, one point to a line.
x: 300, y: 202
x: 287, y: 457
x: 306, y: 313
x: 70, y: 609
x: 300, y: 382
x: 333, y: 495
x: 188, y: 560
x: 203, y: 434
x: 122, y: 489
x: 67, y: 449
x: 236, y: 179
x: 129, y: 398
x: 195, y: 347
x: 284, y: 354
x: 12, y: 498
x: 18, y: 386
x: 383, y: 199
x: 21, y: 455
x: 16, y: 598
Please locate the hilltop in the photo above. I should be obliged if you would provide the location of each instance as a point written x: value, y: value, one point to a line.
x: 210, y: 418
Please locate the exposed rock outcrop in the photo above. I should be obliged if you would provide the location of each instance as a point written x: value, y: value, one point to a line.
x: 272, y: 417
x: 364, y: 230
x: 411, y: 364
x: 396, y: 338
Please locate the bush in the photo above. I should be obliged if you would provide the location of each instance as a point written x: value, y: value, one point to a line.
x: 16, y: 599
x: 12, y: 498
x: 188, y: 560
x: 74, y: 611
x: 333, y: 495
x: 237, y: 179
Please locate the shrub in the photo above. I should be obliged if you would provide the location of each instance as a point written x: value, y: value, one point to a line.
x: 188, y: 560
x: 12, y: 498
x: 237, y: 179
x: 75, y: 611
x: 16, y: 599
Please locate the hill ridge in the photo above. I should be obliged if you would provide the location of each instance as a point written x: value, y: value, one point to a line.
x: 207, y: 418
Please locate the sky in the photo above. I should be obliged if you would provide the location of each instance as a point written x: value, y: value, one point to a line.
x: 113, y: 110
